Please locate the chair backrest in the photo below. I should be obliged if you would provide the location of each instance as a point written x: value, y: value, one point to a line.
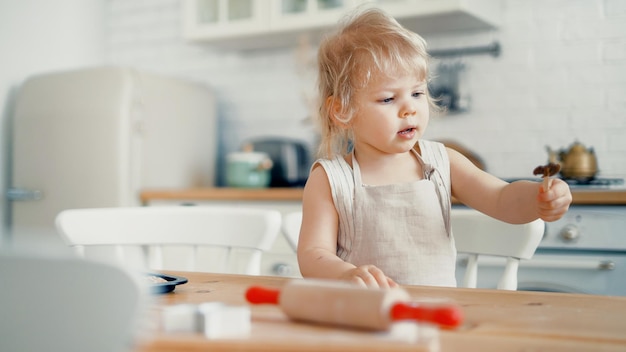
x: 66, y: 304
x: 475, y: 234
x: 202, y: 238
x: 291, y: 228
x: 478, y: 234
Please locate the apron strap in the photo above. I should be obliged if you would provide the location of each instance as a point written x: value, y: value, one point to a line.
x: 437, y: 169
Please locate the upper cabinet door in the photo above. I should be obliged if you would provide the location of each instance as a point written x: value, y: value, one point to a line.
x: 221, y: 19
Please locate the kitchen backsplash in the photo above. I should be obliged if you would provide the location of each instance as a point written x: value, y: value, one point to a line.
x: 561, y: 77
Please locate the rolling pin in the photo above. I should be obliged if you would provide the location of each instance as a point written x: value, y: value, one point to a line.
x: 342, y: 303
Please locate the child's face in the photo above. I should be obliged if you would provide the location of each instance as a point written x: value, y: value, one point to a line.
x: 392, y: 113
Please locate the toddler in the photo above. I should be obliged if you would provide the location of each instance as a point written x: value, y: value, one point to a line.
x: 376, y: 206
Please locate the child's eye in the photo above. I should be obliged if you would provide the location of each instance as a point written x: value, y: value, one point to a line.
x: 418, y: 94
x: 386, y: 100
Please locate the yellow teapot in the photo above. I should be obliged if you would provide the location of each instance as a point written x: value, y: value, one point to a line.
x: 577, y: 162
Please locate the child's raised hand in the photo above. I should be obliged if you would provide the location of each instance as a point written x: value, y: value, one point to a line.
x: 552, y: 204
x: 368, y: 276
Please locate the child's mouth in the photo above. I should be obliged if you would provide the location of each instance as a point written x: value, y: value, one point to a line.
x: 407, y: 131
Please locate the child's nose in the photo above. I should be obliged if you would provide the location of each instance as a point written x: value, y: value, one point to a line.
x: 407, y: 110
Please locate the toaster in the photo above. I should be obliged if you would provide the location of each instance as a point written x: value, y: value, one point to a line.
x: 290, y: 157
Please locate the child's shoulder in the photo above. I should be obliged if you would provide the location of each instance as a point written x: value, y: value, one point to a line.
x: 334, y: 161
x: 336, y: 166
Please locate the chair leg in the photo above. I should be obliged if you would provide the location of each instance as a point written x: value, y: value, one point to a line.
x: 226, y: 261
x: 254, y: 263
x: 119, y: 255
x: 471, y: 271
x: 154, y: 257
x: 194, y: 258
x: 508, y: 281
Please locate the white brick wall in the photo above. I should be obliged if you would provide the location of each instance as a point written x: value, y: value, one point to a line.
x: 561, y: 77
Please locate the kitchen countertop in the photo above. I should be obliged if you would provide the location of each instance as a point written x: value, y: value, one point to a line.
x: 494, y: 320
x: 587, y: 196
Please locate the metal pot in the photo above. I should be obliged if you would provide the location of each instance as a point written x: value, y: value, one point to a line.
x: 577, y: 162
x: 248, y: 169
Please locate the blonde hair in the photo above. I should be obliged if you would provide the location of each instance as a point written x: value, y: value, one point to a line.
x: 366, y: 44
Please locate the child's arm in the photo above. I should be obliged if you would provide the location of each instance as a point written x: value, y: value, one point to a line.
x: 317, y: 244
x: 516, y: 202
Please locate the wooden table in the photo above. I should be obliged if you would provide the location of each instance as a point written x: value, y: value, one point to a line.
x: 494, y: 321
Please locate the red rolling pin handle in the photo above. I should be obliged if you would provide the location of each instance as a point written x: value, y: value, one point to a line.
x: 443, y: 315
x: 447, y: 316
x: 260, y: 295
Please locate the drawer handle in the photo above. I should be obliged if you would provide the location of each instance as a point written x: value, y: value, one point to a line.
x: 22, y: 194
x: 548, y: 264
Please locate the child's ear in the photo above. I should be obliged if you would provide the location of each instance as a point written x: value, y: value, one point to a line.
x: 334, y: 110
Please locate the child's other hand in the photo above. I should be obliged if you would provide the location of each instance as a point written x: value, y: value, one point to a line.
x: 368, y: 276
x: 553, y: 204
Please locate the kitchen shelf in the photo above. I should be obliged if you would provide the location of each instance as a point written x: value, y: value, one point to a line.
x: 252, y: 26
x: 222, y: 193
x: 580, y: 197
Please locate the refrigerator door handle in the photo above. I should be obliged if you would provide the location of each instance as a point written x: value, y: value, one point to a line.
x: 22, y: 194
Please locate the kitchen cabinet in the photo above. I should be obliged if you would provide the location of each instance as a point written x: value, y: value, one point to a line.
x: 248, y: 24
x: 243, y: 24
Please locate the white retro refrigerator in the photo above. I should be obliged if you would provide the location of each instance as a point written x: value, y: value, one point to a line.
x: 96, y: 137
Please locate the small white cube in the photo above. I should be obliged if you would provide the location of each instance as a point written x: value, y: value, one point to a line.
x: 221, y: 321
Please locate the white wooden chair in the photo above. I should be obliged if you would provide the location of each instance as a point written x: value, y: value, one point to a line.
x: 475, y: 234
x: 66, y: 304
x: 202, y: 238
x: 478, y: 234
x: 291, y: 228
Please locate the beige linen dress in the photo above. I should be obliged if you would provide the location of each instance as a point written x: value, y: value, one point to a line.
x: 404, y: 229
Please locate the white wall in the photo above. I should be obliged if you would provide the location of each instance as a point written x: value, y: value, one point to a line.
x: 561, y: 77
x: 38, y: 36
